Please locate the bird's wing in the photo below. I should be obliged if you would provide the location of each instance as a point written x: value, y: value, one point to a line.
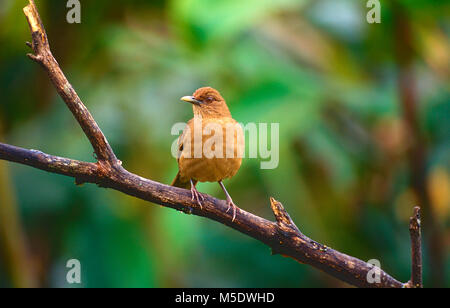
x: 179, y: 181
x: 181, y: 139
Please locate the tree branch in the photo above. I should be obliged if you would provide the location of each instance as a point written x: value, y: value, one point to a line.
x: 283, y: 236
x: 417, y: 149
x: 416, y: 250
x: 43, y: 55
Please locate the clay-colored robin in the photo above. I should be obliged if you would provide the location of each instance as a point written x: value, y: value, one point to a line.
x: 211, y: 146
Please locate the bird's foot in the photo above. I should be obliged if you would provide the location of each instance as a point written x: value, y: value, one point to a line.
x: 233, y: 206
x: 197, y: 196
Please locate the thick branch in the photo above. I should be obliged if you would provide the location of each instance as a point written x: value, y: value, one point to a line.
x: 86, y: 172
x: 283, y: 236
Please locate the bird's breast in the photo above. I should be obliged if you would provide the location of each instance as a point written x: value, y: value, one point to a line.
x: 212, y: 149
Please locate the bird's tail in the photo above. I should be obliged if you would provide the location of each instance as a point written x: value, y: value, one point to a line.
x: 178, y: 181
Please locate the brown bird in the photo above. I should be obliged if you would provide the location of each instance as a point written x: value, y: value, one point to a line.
x: 211, y: 146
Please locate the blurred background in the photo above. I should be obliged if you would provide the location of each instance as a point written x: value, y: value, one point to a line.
x: 364, y: 115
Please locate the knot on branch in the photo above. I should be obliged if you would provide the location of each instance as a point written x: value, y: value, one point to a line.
x: 414, y: 221
x: 38, y: 34
x: 284, y: 221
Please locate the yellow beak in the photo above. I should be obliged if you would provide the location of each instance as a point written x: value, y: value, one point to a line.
x: 192, y: 100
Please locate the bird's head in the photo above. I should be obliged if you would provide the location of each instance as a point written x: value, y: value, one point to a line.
x: 208, y: 103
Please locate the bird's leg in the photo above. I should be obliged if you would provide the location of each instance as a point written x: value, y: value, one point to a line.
x: 196, y: 195
x: 230, y: 202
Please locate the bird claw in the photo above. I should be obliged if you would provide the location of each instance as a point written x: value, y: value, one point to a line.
x: 233, y: 206
x: 197, y: 196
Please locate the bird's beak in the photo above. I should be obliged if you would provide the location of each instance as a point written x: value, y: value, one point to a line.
x: 192, y: 100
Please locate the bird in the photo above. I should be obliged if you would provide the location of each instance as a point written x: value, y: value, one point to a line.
x: 220, y: 139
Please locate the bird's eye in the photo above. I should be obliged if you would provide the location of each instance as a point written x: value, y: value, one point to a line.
x: 209, y: 99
